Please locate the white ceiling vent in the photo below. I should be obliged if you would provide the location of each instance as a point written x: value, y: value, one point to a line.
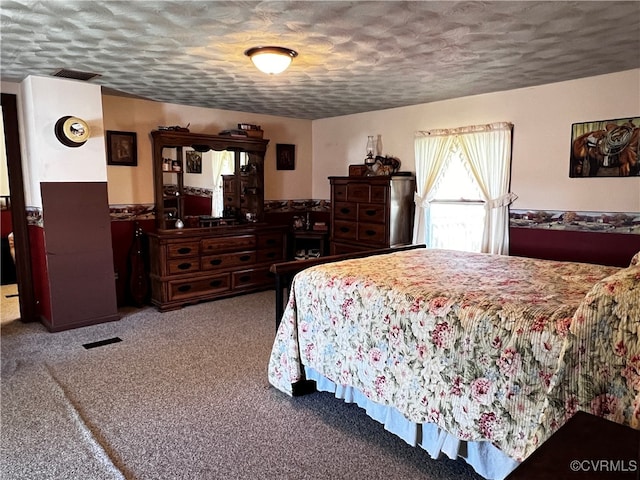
x: 75, y: 74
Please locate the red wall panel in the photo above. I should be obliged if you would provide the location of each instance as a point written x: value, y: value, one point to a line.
x: 615, y: 249
x: 122, y: 235
x: 40, y: 272
x: 6, y: 225
x: 195, y: 205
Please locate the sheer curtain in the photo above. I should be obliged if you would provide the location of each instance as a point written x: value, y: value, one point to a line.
x: 222, y: 163
x: 432, y: 150
x: 486, y: 151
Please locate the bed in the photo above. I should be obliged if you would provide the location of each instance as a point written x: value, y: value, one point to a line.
x: 473, y: 355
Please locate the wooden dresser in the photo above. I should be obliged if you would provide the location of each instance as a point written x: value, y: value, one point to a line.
x: 371, y: 212
x: 196, y: 264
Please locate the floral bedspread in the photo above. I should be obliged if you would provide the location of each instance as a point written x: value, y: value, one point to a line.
x: 496, y: 348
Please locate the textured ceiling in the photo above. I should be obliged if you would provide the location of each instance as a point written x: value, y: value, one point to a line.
x: 353, y: 56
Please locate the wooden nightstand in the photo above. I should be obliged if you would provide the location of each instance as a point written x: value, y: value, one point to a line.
x: 309, y: 241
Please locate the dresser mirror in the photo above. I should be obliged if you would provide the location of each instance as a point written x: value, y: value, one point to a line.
x: 203, y: 176
x: 207, y: 180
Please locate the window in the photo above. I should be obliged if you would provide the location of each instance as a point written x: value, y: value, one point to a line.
x: 456, y: 218
x: 443, y: 158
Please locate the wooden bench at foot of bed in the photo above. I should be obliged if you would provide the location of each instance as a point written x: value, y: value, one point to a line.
x: 285, y: 271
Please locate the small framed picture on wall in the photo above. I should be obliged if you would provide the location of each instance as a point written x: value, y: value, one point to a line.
x: 122, y: 148
x: 285, y: 156
x: 194, y: 161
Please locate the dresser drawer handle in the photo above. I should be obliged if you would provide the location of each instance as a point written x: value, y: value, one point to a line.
x: 371, y: 213
x: 184, y: 266
x: 345, y: 210
x: 271, y: 254
x: 245, y: 278
x: 245, y: 258
x: 184, y: 288
x: 215, y: 283
x: 271, y: 241
x: 184, y: 250
x: 371, y: 233
x: 215, y: 261
x: 344, y: 229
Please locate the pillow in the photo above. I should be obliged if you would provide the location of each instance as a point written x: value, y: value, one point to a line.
x: 635, y: 260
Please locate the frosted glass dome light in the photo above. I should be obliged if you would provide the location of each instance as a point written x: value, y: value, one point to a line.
x: 271, y: 60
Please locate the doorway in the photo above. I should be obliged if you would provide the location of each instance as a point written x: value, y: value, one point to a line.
x: 17, y: 209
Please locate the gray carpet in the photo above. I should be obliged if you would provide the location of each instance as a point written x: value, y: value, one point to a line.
x: 183, y: 396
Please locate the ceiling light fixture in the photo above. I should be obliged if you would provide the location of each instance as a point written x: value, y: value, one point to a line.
x: 271, y: 60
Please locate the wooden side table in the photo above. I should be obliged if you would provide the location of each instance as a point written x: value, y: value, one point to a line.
x: 314, y: 238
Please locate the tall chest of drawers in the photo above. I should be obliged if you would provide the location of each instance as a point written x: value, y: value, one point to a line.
x: 193, y: 265
x: 371, y: 212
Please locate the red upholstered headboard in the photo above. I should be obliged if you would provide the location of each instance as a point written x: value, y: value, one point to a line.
x: 615, y: 249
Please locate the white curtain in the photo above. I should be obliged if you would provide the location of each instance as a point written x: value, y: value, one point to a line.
x: 486, y: 149
x: 221, y: 161
x: 432, y: 150
x: 488, y: 153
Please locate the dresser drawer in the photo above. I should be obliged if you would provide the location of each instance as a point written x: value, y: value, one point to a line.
x: 183, y: 265
x: 338, y: 248
x: 358, y: 192
x: 229, y: 182
x: 184, y: 289
x: 270, y: 255
x: 228, y: 260
x: 182, y: 249
x: 371, y: 212
x: 251, y: 278
x: 340, y: 193
x: 379, y: 194
x: 346, y: 211
x: 345, y: 230
x: 228, y: 244
x: 372, y: 233
x: 270, y: 240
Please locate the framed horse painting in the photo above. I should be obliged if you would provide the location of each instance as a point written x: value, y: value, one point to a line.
x: 606, y: 148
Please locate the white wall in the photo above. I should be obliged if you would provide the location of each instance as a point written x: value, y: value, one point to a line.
x: 10, y: 87
x: 43, y: 101
x: 135, y: 184
x: 542, y: 118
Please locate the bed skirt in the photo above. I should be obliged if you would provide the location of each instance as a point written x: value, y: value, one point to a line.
x: 486, y: 459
